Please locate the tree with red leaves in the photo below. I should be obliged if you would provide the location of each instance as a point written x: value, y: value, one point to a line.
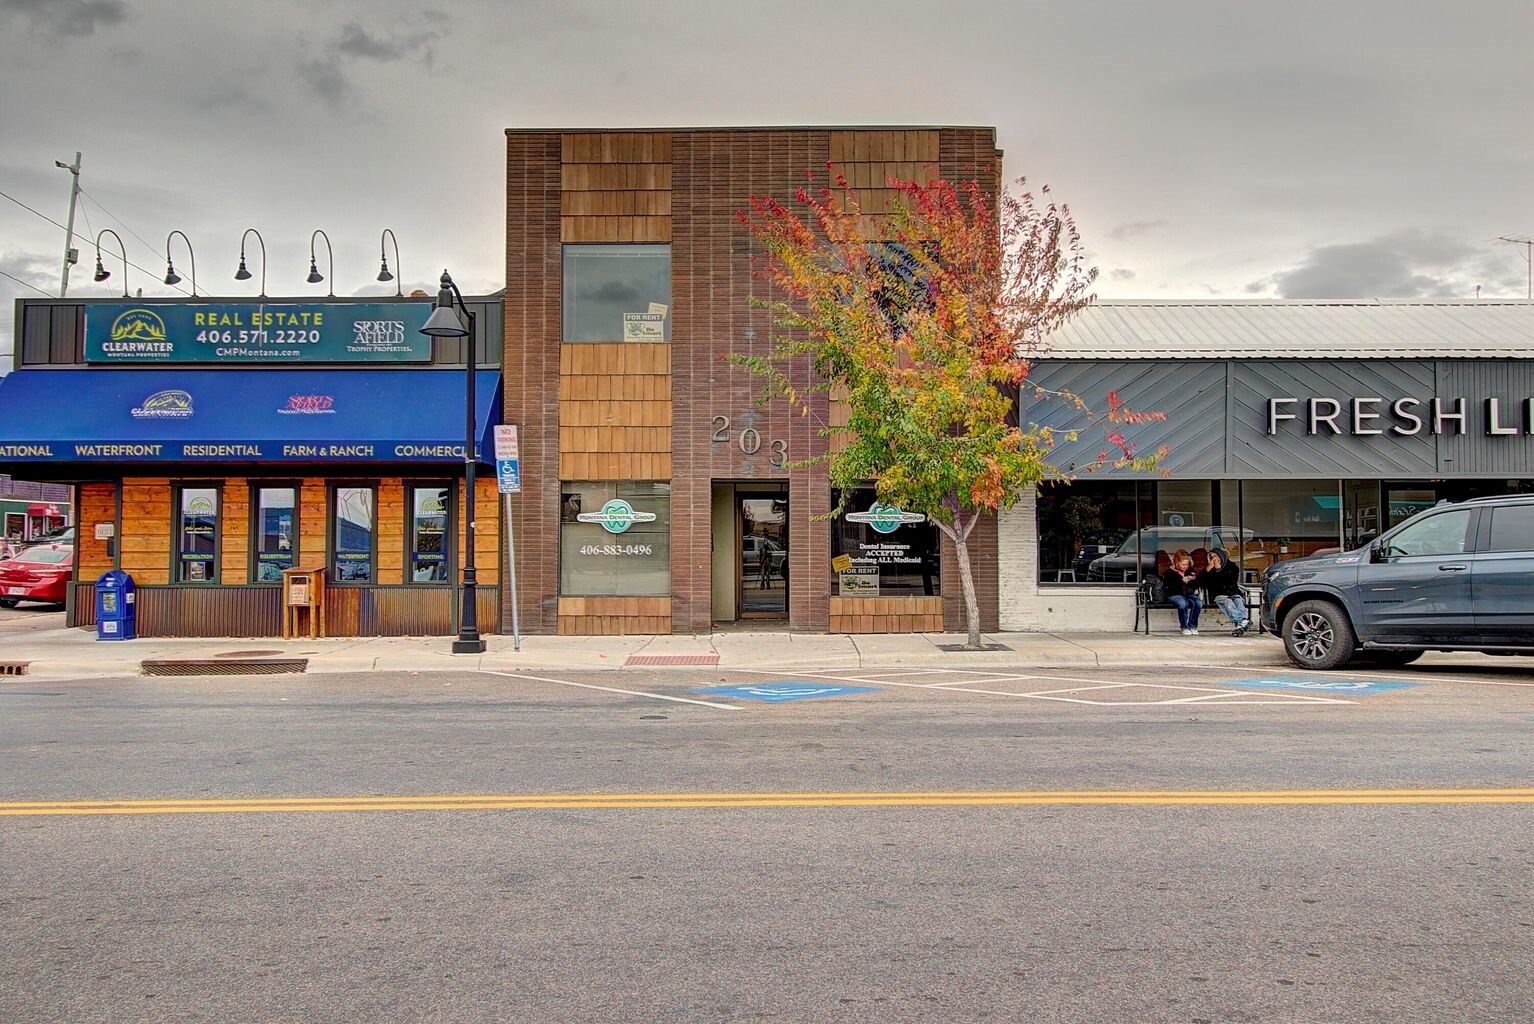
x: 922, y: 322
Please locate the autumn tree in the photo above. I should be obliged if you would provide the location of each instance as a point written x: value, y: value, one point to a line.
x: 922, y: 322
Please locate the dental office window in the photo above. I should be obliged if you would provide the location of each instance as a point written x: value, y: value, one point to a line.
x: 429, y: 516
x: 276, y: 532
x: 619, y: 292
x: 623, y: 545
x: 354, y: 536
x: 196, y: 538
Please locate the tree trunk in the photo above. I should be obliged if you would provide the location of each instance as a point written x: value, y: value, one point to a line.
x: 967, y: 580
x: 959, y: 534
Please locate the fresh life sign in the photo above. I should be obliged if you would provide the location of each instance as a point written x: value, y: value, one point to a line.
x: 270, y: 333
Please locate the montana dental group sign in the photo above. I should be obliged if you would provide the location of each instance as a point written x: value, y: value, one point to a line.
x: 1402, y: 417
x: 274, y: 333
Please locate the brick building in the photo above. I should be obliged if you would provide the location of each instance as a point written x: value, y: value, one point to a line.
x: 657, y: 495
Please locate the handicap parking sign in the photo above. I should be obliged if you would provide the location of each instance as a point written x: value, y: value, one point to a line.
x: 786, y: 690
x: 1322, y: 684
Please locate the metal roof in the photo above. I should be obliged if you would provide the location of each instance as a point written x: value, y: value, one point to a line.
x: 1258, y: 329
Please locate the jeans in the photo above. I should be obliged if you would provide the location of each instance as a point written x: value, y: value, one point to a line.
x: 1234, y: 609
x: 1188, y: 606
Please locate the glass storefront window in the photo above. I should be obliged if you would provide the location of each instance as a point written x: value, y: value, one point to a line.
x: 1286, y: 519
x: 276, y: 532
x: 353, y: 535
x: 429, y: 533
x: 615, y: 539
x: 197, y: 535
x: 1094, y: 532
x: 889, y: 558
x: 617, y: 292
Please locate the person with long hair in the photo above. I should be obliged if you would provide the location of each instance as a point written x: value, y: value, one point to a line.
x: 1181, y: 583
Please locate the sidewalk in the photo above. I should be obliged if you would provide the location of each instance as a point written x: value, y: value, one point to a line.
x: 71, y: 653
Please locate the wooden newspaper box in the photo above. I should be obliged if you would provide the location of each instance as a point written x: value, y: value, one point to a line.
x: 303, y: 601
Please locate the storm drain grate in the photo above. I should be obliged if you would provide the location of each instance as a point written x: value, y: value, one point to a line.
x: 213, y: 667
x: 671, y: 659
x: 14, y: 668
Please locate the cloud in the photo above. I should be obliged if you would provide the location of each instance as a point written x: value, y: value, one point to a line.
x: 326, y: 72
x: 356, y: 41
x: 1135, y: 229
x: 325, y: 80
x: 1400, y: 265
x: 68, y: 17
x: 1121, y: 274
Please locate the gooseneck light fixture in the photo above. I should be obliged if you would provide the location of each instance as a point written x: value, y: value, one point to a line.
x: 315, y: 277
x: 244, y: 275
x: 445, y: 322
x: 101, y: 271
x: 383, y: 260
x: 171, y: 277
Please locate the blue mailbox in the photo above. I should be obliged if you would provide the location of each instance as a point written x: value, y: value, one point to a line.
x: 114, y: 607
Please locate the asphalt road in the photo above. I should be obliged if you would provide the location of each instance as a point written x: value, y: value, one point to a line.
x: 928, y: 911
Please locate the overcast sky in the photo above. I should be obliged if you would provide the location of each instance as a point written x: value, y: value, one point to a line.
x: 1221, y: 149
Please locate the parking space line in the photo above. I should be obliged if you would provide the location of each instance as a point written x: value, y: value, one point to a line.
x: 614, y: 689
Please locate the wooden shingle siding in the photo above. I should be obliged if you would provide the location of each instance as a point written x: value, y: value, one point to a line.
x: 615, y: 411
x: 613, y: 616
x: 615, y: 187
x: 886, y: 615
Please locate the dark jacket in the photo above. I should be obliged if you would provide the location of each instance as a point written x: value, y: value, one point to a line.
x: 1173, y: 582
x: 1222, y: 582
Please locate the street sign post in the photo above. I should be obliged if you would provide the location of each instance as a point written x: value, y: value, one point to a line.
x: 508, y: 475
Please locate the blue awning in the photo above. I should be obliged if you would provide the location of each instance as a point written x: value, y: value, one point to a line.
x: 100, y: 415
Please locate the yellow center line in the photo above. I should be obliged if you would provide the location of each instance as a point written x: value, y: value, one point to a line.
x: 630, y: 801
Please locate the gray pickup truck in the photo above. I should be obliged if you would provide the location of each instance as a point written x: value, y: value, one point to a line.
x: 1456, y: 577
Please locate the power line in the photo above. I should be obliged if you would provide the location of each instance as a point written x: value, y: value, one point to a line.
x: 76, y: 234
x: 120, y: 222
x: 26, y: 284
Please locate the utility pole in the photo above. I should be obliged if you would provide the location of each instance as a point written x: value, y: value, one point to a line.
x: 1528, y: 255
x: 71, y: 254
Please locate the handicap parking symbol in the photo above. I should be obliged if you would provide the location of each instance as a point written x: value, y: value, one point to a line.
x: 788, y: 689
x: 1322, y: 684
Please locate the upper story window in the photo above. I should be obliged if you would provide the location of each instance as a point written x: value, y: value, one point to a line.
x: 617, y: 292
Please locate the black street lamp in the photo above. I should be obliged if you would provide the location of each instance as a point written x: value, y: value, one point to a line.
x: 383, y: 260
x: 444, y: 322
x: 171, y: 277
x: 315, y: 277
x: 244, y: 275
x: 102, y: 273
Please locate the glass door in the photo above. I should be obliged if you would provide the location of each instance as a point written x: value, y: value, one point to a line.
x: 763, y: 581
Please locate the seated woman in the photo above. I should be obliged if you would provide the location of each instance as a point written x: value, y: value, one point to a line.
x: 1181, y: 583
x: 1222, y: 581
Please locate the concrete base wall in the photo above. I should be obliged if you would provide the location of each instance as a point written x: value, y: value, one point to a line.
x: 1026, y: 606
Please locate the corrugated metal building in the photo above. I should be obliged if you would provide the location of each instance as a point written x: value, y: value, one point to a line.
x: 1293, y: 427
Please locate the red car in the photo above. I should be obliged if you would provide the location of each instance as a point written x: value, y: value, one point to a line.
x: 38, y: 573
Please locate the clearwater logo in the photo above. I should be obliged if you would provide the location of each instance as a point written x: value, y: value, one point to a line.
x: 309, y: 405
x: 200, y: 506
x: 138, y: 325
x: 885, y: 518
x: 616, y: 516
x: 165, y: 405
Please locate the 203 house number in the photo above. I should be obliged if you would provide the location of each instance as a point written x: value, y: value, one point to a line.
x: 750, y: 441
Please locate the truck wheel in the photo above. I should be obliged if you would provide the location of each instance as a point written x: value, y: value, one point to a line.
x: 1394, y: 659
x: 1318, y: 635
